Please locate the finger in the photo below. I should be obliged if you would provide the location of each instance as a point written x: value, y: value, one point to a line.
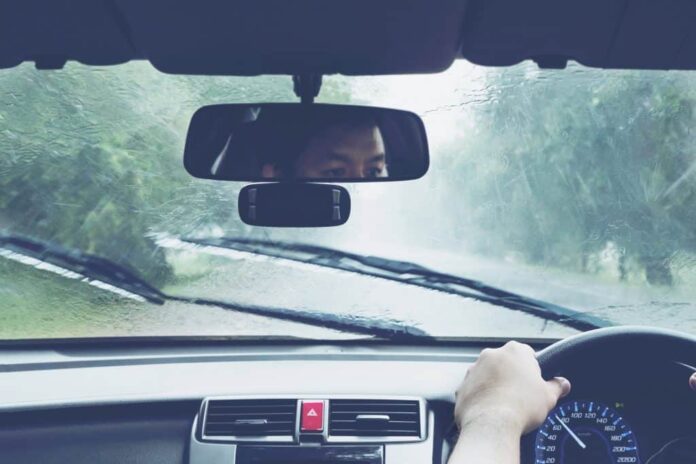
x: 692, y: 381
x: 528, y: 349
x: 517, y: 346
x: 559, y: 387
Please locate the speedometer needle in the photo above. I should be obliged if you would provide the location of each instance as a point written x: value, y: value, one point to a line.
x: 571, y: 433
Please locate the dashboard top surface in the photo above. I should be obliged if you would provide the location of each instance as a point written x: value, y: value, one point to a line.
x: 50, y: 378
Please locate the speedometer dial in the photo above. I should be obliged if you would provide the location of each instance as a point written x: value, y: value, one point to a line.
x: 583, y: 432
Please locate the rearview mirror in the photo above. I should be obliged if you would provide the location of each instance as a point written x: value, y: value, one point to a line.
x: 305, y: 142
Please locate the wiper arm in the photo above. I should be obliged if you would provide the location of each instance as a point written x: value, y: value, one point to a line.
x: 94, y: 270
x: 110, y: 276
x: 407, y: 273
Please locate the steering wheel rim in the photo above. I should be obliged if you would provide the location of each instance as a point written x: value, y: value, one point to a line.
x: 635, y: 341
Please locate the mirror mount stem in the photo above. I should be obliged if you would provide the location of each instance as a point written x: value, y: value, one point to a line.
x: 307, y: 86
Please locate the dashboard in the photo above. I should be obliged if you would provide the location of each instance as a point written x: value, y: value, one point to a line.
x: 312, y: 403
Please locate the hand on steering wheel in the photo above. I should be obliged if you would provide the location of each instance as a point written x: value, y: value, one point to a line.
x: 505, y: 388
x: 502, y: 397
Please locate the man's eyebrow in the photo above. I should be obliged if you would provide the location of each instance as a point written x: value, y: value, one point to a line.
x: 333, y: 156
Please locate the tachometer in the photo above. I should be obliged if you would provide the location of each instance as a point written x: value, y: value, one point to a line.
x: 582, y: 432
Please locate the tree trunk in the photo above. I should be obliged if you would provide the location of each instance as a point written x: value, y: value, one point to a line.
x: 658, y: 272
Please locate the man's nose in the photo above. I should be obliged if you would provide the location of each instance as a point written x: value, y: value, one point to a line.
x: 356, y: 172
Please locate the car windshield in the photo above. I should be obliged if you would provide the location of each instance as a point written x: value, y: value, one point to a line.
x: 550, y: 192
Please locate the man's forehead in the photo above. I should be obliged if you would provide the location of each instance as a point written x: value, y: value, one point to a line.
x: 367, y: 138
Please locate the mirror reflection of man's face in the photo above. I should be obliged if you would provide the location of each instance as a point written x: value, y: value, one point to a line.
x: 344, y: 152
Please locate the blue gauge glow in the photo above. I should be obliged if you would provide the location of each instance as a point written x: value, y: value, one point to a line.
x: 580, y: 432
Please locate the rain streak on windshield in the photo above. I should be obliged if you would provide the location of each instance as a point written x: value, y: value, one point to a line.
x: 576, y: 188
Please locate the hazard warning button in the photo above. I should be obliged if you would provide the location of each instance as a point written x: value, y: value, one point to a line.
x: 312, y: 416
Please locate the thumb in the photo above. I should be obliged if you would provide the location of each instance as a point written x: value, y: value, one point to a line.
x: 692, y: 382
x: 559, y: 387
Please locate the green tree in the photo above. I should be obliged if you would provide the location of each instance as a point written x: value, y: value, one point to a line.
x: 567, y: 169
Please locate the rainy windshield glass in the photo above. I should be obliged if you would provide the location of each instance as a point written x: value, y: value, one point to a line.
x: 573, y: 187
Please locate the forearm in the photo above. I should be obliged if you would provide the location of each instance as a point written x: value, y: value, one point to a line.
x: 486, y: 443
x: 502, y: 397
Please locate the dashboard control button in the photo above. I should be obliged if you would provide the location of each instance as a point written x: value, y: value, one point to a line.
x: 312, y: 416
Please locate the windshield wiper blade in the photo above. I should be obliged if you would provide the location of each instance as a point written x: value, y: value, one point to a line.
x: 94, y: 270
x: 381, y: 328
x: 404, y: 272
x: 110, y: 276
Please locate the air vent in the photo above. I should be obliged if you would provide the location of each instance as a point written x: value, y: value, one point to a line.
x: 374, y: 418
x: 250, y: 418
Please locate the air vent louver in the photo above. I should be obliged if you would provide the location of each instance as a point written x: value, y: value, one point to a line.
x: 374, y: 418
x: 250, y: 418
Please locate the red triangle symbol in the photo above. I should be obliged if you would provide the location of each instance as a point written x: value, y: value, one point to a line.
x: 312, y: 413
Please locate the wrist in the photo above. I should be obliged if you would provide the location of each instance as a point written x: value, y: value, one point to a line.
x: 504, y: 423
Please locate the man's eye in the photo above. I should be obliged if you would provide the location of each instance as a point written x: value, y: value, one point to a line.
x: 337, y: 172
x: 374, y: 171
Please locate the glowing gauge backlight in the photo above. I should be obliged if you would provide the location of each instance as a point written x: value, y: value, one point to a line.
x: 583, y: 432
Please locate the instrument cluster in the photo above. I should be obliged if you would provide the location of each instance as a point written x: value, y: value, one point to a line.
x: 621, y: 415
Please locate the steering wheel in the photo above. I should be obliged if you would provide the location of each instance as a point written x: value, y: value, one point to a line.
x: 627, y: 342
x: 644, y: 347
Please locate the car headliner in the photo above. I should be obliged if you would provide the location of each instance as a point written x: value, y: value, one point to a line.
x: 353, y: 37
